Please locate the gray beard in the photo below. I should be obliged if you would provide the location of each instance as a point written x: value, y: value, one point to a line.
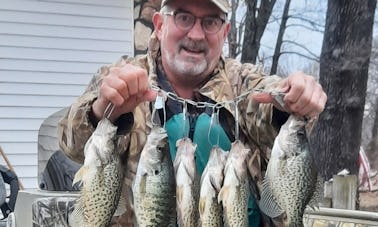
x: 183, y: 68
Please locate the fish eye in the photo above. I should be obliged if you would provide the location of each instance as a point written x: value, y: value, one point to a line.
x: 156, y: 172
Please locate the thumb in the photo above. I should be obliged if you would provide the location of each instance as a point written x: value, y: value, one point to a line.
x: 267, y: 97
x: 262, y: 97
x: 284, y: 85
x: 149, y: 95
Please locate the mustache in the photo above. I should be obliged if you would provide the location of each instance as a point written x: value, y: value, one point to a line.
x: 197, y: 46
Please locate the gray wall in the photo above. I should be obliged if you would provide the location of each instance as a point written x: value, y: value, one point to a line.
x: 49, y: 50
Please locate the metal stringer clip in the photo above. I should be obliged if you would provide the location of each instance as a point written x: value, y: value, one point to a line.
x: 214, y: 121
x: 159, y: 104
x: 108, y: 110
x: 185, y: 119
x: 236, y: 109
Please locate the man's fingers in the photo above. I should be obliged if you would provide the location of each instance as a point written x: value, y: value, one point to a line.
x: 296, y: 87
x: 304, y: 101
x: 111, y: 94
x: 149, y: 95
x: 136, y: 79
x: 265, y: 97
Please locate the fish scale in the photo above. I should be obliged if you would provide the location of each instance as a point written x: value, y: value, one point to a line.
x: 154, y: 186
x: 187, y: 183
x: 235, y: 190
x: 101, y: 178
x: 105, y: 196
x: 211, y: 212
x: 291, y: 177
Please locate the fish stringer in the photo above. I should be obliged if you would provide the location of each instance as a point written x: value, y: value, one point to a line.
x: 237, y: 114
x: 185, y: 120
x: 108, y: 110
x: 158, y: 105
x: 214, y: 121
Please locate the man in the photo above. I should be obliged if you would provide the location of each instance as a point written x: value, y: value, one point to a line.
x: 185, y: 58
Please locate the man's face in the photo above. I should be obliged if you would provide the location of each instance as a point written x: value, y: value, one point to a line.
x: 190, y: 55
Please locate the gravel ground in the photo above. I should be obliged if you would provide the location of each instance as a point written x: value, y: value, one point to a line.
x: 369, y: 200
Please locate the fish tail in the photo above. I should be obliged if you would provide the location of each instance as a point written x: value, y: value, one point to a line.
x: 76, y: 217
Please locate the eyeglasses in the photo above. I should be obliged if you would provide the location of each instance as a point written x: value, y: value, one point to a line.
x: 185, y: 21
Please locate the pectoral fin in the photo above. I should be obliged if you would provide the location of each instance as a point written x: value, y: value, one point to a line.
x: 202, y: 206
x: 80, y: 174
x: 179, y: 194
x: 223, y: 194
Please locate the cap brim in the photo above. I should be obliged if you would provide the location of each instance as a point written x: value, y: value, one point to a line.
x: 221, y: 6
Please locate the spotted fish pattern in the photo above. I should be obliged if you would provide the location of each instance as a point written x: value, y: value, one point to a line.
x: 234, y: 193
x: 211, y: 211
x: 154, y: 189
x: 101, y: 177
x: 291, y: 179
x: 187, y: 183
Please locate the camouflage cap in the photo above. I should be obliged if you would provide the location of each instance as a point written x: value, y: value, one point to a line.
x: 222, y: 4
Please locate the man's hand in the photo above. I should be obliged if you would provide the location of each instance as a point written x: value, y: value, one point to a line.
x: 125, y: 87
x: 304, y: 96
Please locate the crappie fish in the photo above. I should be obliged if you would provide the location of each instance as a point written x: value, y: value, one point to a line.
x: 211, y: 211
x: 101, y: 178
x: 235, y: 191
x: 154, y: 188
x: 291, y: 177
x: 187, y: 183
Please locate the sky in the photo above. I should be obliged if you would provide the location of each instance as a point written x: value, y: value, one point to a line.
x: 312, y: 10
x: 312, y: 40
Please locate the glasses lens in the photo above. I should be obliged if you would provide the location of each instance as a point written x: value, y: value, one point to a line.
x: 211, y: 24
x: 184, y: 21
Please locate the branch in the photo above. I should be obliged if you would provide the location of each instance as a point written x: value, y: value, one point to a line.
x: 303, y: 47
x: 240, y: 36
x: 316, y: 59
x: 281, y: 32
x: 274, y: 18
x: 306, y: 27
x: 314, y: 24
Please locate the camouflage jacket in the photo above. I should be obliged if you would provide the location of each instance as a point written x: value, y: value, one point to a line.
x: 230, y: 79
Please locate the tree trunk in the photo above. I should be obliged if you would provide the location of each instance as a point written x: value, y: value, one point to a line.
x: 374, y: 130
x: 232, y: 35
x: 255, y: 24
x: 281, y: 32
x: 343, y: 74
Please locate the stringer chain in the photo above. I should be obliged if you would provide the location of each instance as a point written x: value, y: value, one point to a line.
x: 219, y: 105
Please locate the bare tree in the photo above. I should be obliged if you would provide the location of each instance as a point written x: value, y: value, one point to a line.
x: 255, y: 24
x: 232, y: 35
x: 308, y: 54
x: 373, y: 143
x: 370, y: 124
x: 344, y: 66
x: 277, y: 50
x: 302, y: 20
